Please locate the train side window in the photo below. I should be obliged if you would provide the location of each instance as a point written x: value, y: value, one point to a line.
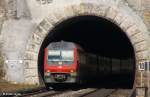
x: 92, y: 59
x: 88, y: 59
x: 82, y: 57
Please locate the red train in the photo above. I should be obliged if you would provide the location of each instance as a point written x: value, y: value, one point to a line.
x: 66, y: 62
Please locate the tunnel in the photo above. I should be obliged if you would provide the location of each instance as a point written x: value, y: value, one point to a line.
x: 96, y: 35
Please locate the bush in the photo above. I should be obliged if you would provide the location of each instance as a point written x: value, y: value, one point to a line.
x: 2, y: 71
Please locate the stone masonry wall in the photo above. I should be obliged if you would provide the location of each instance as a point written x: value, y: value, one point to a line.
x: 2, y: 14
x: 141, y: 7
x: 11, y: 14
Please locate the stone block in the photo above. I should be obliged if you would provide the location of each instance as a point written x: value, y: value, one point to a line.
x: 146, y: 16
x: 92, y: 9
x: 30, y: 64
x: 31, y: 72
x: 86, y: 8
x: 133, y: 30
x: 138, y: 37
x: 52, y: 19
x: 145, y: 4
x: 36, y: 39
x: 11, y: 8
x: 60, y: 14
x: 46, y: 25
x: 32, y: 80
x: 2, y: 12
x: 33, y: 47
x: 78, y: 10
x: 142, y: 55
x: 63, y: 13
x: 138, y: 73
x: 138, y: 83
x: 112, y: 12
x: 127, y: 23
x: 100, y: 10
x: 69, y: 11
x: 120, y: 18
x: 141, y: 46
x: 145, y: 82
x: 40, y: 31
x: 141, y: 82
x: 31, y: 56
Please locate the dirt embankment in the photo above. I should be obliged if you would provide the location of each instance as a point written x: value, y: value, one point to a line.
x: 8, y: 87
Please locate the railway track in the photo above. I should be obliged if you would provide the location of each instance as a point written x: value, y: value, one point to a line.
x: 98, y: 93
x: 105, y: 93
x: 43, y: 92
x: 87, y: 92
x: 122, y: 93
x: 78, y: 91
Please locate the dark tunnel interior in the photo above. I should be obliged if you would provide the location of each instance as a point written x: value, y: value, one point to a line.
x: 94, y: 34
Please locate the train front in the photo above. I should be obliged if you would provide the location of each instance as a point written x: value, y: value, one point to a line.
x: 60, y: 65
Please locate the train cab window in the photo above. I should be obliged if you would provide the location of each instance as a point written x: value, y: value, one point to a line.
x: 54, y: 55
x: 60, y: 57
x: 67, y: 56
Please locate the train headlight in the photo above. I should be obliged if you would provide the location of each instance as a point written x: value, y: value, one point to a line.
x: 71, y: 71
x: 47, y: 73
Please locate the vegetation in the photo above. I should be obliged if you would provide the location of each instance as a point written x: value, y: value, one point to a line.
x: 2, y: 72
x: 9, y: 87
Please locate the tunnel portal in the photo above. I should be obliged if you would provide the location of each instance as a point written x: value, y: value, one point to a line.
x: 95, y: 35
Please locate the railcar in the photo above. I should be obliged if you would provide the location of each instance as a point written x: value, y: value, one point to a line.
x: 67, y: 62
x: 61, y: 62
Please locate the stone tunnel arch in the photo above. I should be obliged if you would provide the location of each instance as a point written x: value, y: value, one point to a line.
x: 95, y: 35
x: 130, y: 24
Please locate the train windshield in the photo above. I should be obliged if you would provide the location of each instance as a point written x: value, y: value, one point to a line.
x: 60, y: 57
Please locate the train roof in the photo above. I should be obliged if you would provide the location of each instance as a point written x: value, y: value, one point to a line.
x: 62, y: 45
